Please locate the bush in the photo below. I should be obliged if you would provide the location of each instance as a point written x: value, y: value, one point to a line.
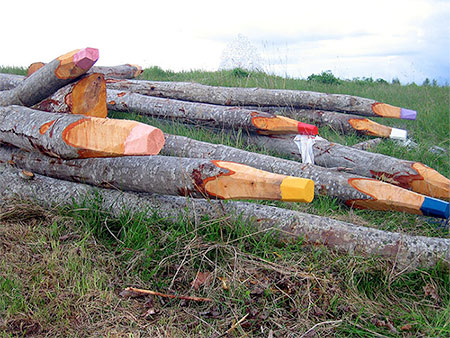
x: 325, y: 77
x: 239, y: 72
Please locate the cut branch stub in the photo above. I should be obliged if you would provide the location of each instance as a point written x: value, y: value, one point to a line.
x: 48, y: 79
x: 86, y: 96
x: 75, y: 136
x: 169, y: 175
x: 232, y: 96
x: 207, y: 114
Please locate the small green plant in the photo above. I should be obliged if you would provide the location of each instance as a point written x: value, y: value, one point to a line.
x: 239, y: 72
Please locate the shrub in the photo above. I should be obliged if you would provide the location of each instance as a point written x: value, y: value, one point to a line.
x: 325, y: 77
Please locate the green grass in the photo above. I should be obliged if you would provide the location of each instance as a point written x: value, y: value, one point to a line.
x: 61, y: 271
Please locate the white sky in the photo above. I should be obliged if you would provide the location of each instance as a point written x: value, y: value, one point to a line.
x: 408, y: 39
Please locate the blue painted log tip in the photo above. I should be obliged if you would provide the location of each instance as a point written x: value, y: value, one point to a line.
x: 408, y: 114
x: 435, y: 208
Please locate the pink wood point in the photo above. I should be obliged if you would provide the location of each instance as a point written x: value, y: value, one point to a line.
x: 144, y: 140
x: 86, y: 57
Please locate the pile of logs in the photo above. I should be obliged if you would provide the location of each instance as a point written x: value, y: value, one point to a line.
x: 54, y: 129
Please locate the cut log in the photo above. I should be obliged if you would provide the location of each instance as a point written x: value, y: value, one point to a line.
x: 353, y: 190
x: 126, y: 71
x: 47, y: 80
x: 86, y: 96
x: 402, y: 250
x: 76, y: 136
x: 169, y: 176
x: 406, y: 174
x: 341, y: 123
x: 10, y: 81
x: 207, y: 114
x: 262, y: 97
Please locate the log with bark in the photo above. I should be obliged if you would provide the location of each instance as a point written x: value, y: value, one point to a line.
x: 126, y: 71
x: 76, y: 136
x: 355, y: 191
x: 341, y: 123
x: 207, y: 114
x: 86, y: 96
x: 48, y: 79
x: 403, y: 250
x: 10, y: 81
x: 233, y: 96
x: 410, y: 175
x: 368, y: 145
x: 168, y: 175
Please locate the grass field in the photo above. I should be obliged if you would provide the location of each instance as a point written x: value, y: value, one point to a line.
x: 62, y: 270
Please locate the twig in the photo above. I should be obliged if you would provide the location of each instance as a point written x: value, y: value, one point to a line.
x: 237, y: 323
x: 322, y: 323
x: 141, y: 292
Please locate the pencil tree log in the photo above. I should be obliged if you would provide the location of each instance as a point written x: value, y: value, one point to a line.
x: 168, y: 175
x: 76, y: 136
x: 232, y: 96
x: 48, y: 79
x: 86, y: 96
x: 402, y: 250
x: 341, y: 123
x: 355, y: 191
x: 406, y: 174
x: 368, y: 145
x: 207, y: 114
x: 126, y: 71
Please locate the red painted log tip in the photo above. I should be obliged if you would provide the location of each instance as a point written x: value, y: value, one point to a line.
x: 307, y: 129
x: 86, y: 57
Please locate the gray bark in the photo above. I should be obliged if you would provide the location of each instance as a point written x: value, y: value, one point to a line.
x: 230, y: 96
x: 197, y: 113
x: 36, y: 87
x: 406, y: 251
x: 126, y: 71
x: 368, y: 145
x: 10, y: 81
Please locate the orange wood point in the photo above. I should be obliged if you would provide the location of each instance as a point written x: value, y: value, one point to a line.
x: 390, y: 197
x: 99, y: 137
x: 282, y: 125
x: 89, y: 96
x: 386, y: 110
x: 432, y: 183
x: 244, y: 182
x: 370, y: 127
x: 138, y: 70
x: 76, y: 63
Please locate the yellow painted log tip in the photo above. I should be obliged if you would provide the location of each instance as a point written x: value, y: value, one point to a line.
x: 296, y: 189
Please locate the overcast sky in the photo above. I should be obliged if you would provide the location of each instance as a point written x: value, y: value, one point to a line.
x: 408, y: 39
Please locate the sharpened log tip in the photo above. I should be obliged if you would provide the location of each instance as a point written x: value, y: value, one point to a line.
x: 86, y: 57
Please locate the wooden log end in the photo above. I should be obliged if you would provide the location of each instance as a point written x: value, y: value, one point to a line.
x: 244, y: 182
x: 138, y: 70
x: 386, y: 196
x: 386, y: 110
x: 275, y: 124
x: 89, y: 96
x: 368, y: 127
x: 430, y: 182
x: 34, y: 67
x: 99, y: 137
x: 76, y: 63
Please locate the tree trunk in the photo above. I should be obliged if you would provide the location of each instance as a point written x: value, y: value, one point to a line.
x: 341, y: 123
x: 406, y: 174
x: 126, y: 71
x: 355, y: 191
x: 86, y: 96
x: 368, y: 145
x: 50, y: 78
x: 169, y: 175
x: 207, y: 114
x: 76, y: 136
x: 403, y: 250
x: 10, y: 81
x: 232, y: 96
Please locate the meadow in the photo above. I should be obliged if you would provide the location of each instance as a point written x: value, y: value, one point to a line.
x: 62, y: 270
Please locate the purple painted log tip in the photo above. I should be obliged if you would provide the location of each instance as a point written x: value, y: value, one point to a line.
x: 86, y: 57
x: 408, y: 114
